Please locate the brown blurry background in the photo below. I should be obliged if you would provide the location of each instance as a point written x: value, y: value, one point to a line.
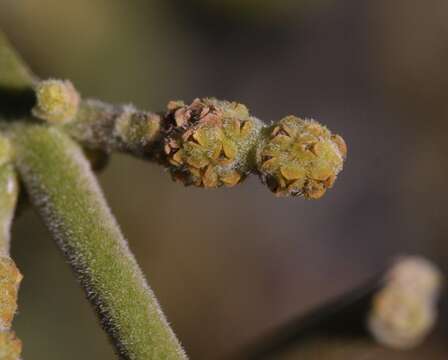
x: 229, y: 264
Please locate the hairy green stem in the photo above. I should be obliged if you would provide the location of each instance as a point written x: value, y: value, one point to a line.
x: 67, y: 196
x: 208, y: 143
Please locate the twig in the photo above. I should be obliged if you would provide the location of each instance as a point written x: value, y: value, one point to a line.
x: 65, y: 192
x: 343, y: 316
x: 208, y: 143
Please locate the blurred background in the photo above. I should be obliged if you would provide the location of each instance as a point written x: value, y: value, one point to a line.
x: 230, y: 264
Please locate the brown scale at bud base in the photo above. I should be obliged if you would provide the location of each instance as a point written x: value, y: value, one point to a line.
x: 300, y: 157
x: 209, y: 143
x: 10, y: 278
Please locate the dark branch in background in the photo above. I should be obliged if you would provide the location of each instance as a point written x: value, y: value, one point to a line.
x: 342, y: 317
x: 398, y: 308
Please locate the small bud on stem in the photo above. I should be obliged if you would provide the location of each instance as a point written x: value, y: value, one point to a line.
x: 300, y: 157
x: 57, y: 101
x: 10, y: 346
x: 209, y: 143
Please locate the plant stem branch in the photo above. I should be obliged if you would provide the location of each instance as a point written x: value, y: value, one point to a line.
x: 65, y: 192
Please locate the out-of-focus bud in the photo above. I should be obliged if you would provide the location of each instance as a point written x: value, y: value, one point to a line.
x: 404, y: 311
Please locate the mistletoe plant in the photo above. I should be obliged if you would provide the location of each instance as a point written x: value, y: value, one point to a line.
x: 51, y: 139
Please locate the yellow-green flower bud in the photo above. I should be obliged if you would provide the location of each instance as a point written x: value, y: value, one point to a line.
x: 57, y: 101
x: 209, y: 143
x: 300, y: 157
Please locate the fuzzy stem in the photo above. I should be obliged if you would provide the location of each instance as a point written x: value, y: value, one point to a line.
x: 212, y: 143
x: 106, y: 127
x: 67, y: 196
x: 16, y: 81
